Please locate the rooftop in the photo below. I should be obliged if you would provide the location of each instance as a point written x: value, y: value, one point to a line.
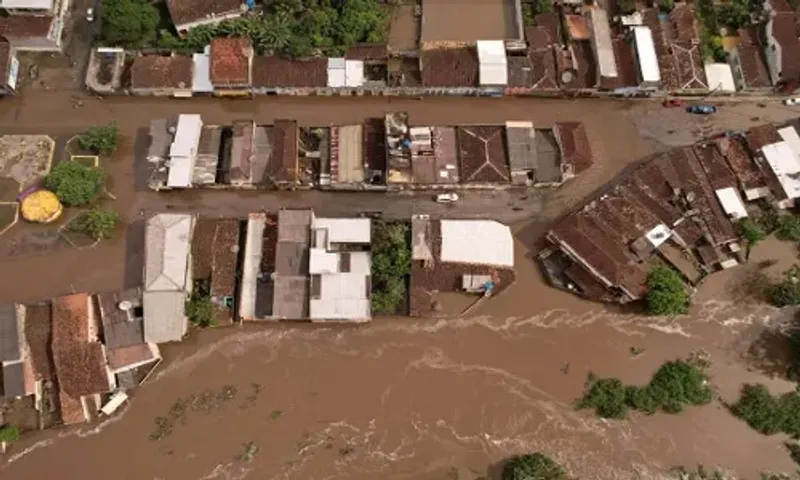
x: 9, y: 333
x: 13, y: 375
x: 544, y: 72
x: 38, y: 336
x: 576, y: 152
x: 521, y: 141
x: 735, y: 152
x: 156, y: 71
x: 479, y: 242
x: 785, y: 32
x: 164, y: 316
x: 25, y: 26
x: 230, y: 61
x: 449, y: 67
x: 82, y: 368
x: 166, y: 251
x: 70, y: 319
x: 121, y: 325
x: 282, y: 164
x: 482, y: 154
x: 189, y: 11
x: 751, y: 59
x: 367, y: 52
x: 275, y: 71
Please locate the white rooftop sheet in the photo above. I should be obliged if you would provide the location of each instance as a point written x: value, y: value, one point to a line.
x: 164, y: 316
x: 493, y: 65
x: 480, y: 242
x: 201, y: 77
x: 336, y: 63
x: 345, y: 230
x: 789, y: 135
x: 32, y: 4
x: 720, y: 77
x: 731, y: 202
x: 493, y: 74
x: 167, y: 246
x: 491, y: 51
x: 601, y: 35
x: 321, y: 261
x: 646, y: 55
x: 336, y: 77
x: 784, y: 163
x: 658, y: 235
x: 253, y: 250
x: 342, y: 296
x: 187, y: 135
x: 354, y: 73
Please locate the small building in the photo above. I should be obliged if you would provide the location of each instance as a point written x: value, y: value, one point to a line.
x: 601, y: 44
x: 747, y: 62
x: 345, y: 167
x: 492, y: 63
x: 731, y: 203
x: 345, y: 73
x: 720, y: 77
x: 13, y: 353
x: 456, y: 67
x: 167, y: 276
x: 783, y: 163
x: 231, y: 66
x: 273, y: 74
x: 521, y: 141
x: 183, y: 150
x: 188, y: 14
x: 648, y: 73
x: 782, y: 45
x: 34, y: 33
x: 162, y: 75
x: 201, y: 76
x: 477, y: 242
x: 9, y: 69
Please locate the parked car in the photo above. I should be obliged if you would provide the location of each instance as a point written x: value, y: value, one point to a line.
x: 672, y: 102
x: 451, y: 197
x: 701, y: 109
x: 791, y: 102
x: 90, y: 15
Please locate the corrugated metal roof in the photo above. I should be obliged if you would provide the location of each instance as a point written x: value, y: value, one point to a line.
x: 13, y: 380
x: 354, y: 73
x: 345, y: 230
x: 201, y: 77
x: 183, y: 150
x: 9, y: 333
x: 343, y: 296
x: 783, y: 162
x: 492, y: 63
x: 521, y: 140
x: 731, y: 202
x: 168, y: 243
x: 164, y: 316
x: 601, y: 37
x: 646, y: 55
x: 252, y: 265
x: 720, y: 77
x: 478, y: 242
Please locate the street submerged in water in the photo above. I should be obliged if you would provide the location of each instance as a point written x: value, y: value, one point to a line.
x: 409, y: 398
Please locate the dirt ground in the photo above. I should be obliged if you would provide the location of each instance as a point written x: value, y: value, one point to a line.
x: 476, y: 20
x: 404, y: 34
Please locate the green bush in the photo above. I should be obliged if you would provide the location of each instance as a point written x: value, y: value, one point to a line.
x: 752, y: 232
x: 675, y: 385
x: 666, y: 292
x: 9, y: 433
x: 768, y: 414
x: 535, y: 466
x: 100, y: 140
x: 75, y: 184
x: 391, y: 264
x: 129, y: 23
x: 735, y: 14
x: 787, y: 292
x: 769, y: 218
x: 98, y: 224
x: 200, y: 310
x: 788, y: 228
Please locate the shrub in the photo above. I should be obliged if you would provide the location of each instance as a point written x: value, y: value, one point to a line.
x: 769, y: 218
x: 391, y: 263
x: 787, y: 292
x: 607, y: 397
x: 768, y: 414
x: 100, y: 139
x: 788, y: 228
x: 75, y: 184
x: 734, y: 14
x: 535, y: 466
x: 200, y: 310
x: 666, y: 292
x: 98, y: 224
x: 751, y: 231
x: 129, y: 22
x: 9, y: 433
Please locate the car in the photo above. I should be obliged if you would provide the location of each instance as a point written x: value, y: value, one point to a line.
x: 791, y: 102
x: 90, y: 14
x: 701, y: 109
x: 672, y: 102
x: 446, y: 197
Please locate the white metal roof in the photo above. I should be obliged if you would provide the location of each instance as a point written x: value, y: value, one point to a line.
x: 789, y: 135
x: 342, y: 296
x: 167, y: 246
x: 253, y: 251
x: 31, y: 4
x: 183, y: 150
x: 164, y: 316
x: 646, y: 55
x: 201, y: 77
x: 345, y: 230
x: 480, y: 242
x: 493, y: 65
x: 784, y: 163
x: 658, y: 235
x: 731, y: 202
x: 720, y: 77
x: 337, y: 76
x: 601, y: 37
x: 354, y: 73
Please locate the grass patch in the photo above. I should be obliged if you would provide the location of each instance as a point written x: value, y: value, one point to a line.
x: 676, y: 385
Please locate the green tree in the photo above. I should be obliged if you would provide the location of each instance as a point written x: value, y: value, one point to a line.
x: 129, y: 23
x: 752, y: 232
x: 735, y: 14
x: 391, y: 264
x: 200, y: 310
x: 607, y: 396
x: 9, y: 434
x: 759, y: 409
x: 788, y: 228
x: 98, y: 224
x: 666, y: 5
x: 534, y: 466
x: 666, y: 292
x: 100, y: 139
x: 787, y: 292
x: 75, y: 184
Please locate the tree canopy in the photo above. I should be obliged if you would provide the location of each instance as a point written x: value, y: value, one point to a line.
x: 734, y: 14
x: 787, y: 291
x: 129, y: 23
x: 75, y: 184
x: 534, y: 466
x: 391, y: 263
x: 98, y: 224
x: 752, y: 232
x: 666, y: 292
x: 788, y: 228
x: 100, y: 139
x: 768, y: 414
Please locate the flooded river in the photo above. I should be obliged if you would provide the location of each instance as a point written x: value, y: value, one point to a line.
x: 425, y: 399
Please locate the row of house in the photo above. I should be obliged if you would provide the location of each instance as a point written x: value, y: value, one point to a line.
x: 677, y: 207
x: 378, y: 154
x: 74, y: 352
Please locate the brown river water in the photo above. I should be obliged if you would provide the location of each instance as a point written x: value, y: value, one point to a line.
x: 429, y: 398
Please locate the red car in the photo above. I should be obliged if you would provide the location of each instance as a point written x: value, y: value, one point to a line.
x: 673, y: 102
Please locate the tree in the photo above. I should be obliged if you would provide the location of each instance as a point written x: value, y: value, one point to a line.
x: 752, y: 232
x: 788, y: 228
x: 100, y: 139
x: 534, y: 466
x: 129, y: 23
x: 391, y: 264
x: 735, y: 14
x: 9, y: 434
x: 98, y: 224
x: 666, y: 292
x: 666, y: 5
x: 75, y: 184
x: 626, y: 7
x: 787, y: 292
x: 200, y: 310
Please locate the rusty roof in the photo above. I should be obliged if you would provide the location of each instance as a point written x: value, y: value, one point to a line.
x: 81, y: 368
x: 449, y: 67
x: 230, y: 61
x: 274, y: 71
x: 735, y: 152
x: 684, y: 24
x: 282, y: 165
x: 625, y: 56
x: 25, y: 26
x: 550, y: 23
x: 71, y: 409
x: 71, y: 319
x: 189, y: 11
x: 751, y: 60
x: 684, y: 71
x: 544, y: 72
x: 156, y: 71
x: 519, y: 71
x: 482, y: 154
x: 368, y: 52
x: 576, y: 151
x: 538, y: 37
x: 224, y: 257
x: 582, y: 56
x: 38, y: 336
x: 577, y: 27
x: 785, y: 31
x: 715, y: 166
x: 760, y: 136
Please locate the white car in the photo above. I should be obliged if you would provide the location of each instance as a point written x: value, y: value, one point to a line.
x: 791, y: 102
x: 447, y: 198
x: 90, y: 15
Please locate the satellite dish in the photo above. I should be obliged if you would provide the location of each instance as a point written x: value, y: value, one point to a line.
x: 125, y: 305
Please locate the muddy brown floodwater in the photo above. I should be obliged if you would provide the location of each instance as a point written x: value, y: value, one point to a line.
x: 426, y: 399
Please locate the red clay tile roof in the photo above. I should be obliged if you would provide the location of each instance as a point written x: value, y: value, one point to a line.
x: 224, y: 257
x: 282, y: 165
x: 274, y: 71
x: 124, y: 357
x: 751, y: 60
x: 544, y: 72
x: 575, y: 149
x: 230, y: 61
x: 71, y: 409
x: 38, y: 336
x: 784, y: 30
x: 189, y: 11
x: 482, y: 154
x: 71, y: 319
x: 735, y: 152
x: 368, y: 52
x: 155, y: 71
x: 81, y: 368
x: 25, y: 26
x: 449, y: 67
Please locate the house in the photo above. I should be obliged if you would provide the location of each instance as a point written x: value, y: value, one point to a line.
x: 521, y: 141
x: 782, y: 45
x: 162, y: 76
x: 188, y: 14
x: 456, y: 67
x: 80, y: 358
x: 12, y: 348
x: 231, y: 66
x: 167, y: 276
x: 602, y: 46
x: 648, y: 73
x: 345, y: 73
x: 272, y: 73
x: 183, y: 150
x: 748, y: 64
x: 215, y: 255
x: 492, y: 63
x: 9, y: 69
x: 33, y: 33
